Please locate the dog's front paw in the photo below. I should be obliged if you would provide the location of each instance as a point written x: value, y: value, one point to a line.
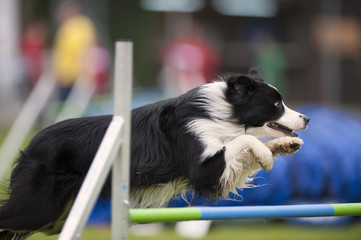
x: 249, y: 152
x: 264, y: 158
x: 284, y: 145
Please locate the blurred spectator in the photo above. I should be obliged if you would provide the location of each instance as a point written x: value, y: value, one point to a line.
x: 188, y: 61
x: 270, y: 60
x: 75, y: 36
x: 33, y: 49
x: 97, y: 60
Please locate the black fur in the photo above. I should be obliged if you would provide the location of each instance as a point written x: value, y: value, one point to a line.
x: 257, y: 98
x: 50, y: 171
x: 163, y: 142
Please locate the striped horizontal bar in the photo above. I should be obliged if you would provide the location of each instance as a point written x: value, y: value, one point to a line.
x: 245, y: 212
x: 164, y: 214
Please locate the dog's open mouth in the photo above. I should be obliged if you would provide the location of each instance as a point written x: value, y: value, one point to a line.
x: 281, y: 128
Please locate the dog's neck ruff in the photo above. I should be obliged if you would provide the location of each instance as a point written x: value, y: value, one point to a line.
x: 216, y: 131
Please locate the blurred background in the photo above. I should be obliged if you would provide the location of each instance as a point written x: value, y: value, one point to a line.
x: 310, y: 49
x: 56, y: 62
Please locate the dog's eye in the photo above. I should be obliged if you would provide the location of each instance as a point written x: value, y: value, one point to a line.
x: 278, y: 104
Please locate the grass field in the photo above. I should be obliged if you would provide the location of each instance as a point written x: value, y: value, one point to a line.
x: 224, y: 231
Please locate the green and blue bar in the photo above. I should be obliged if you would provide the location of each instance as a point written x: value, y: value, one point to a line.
x: 244, y: 212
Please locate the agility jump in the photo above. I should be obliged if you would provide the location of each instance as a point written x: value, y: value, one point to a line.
x: 246, y: 212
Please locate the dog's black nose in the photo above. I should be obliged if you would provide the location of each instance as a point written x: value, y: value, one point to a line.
x: 305, y: 118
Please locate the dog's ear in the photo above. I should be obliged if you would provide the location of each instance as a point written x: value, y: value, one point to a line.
x: 240, y: 87
x: 255, y: 74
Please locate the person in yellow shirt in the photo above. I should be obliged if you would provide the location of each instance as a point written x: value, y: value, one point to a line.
x: 76, y: 34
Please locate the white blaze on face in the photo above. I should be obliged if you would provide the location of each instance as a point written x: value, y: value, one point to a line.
x: 292, y: 119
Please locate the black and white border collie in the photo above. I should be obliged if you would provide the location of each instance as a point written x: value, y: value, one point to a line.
x: 207, y: 140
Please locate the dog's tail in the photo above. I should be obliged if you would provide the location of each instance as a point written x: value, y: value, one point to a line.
x: 32, y: 201
x: 8, y: 235
x: 8, y: 222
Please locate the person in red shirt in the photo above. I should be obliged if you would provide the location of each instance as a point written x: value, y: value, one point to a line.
x: 33, y: 47
x: 187, y: 62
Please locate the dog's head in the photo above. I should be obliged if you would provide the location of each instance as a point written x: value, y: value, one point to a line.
x: 260, y: 108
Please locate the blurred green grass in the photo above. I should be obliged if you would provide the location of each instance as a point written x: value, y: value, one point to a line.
x: 224, y: 231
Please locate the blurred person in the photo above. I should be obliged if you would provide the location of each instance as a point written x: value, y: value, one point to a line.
x: 97, y: 61
x: 188, y: 61
x: 33, y: 47
x: 75, y: 36
x: 270, y: 60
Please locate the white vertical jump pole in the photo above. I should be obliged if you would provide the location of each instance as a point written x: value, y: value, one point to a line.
x: 110, y: 152
x: 121, y: 168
